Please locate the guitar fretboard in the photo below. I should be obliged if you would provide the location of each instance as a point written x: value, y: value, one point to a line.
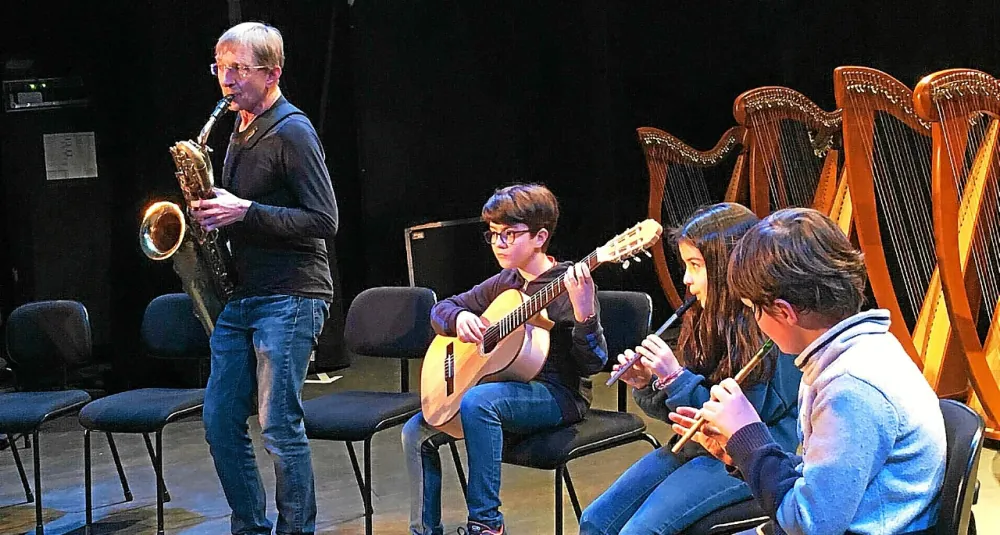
x: 539, y: 300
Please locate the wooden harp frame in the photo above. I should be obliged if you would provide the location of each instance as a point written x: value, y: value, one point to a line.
x: 770, y: 105
x: 948, y: 100
x: 671, y: 150
x: 931, y: 344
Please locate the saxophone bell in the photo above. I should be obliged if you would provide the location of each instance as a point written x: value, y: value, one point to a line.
x: 162, y: 230
x: 200, y: 258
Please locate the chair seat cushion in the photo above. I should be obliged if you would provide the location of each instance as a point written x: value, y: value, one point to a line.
x: 357, y: 415
x: 23, y: 412
x: 145, y: 410
x: 738, y: 516
x: 598, y: 431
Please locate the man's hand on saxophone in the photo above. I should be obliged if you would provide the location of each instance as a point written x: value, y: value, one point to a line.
x: 225, y: 209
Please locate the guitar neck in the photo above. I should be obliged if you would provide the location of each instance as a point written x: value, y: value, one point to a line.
x: 539, y: 300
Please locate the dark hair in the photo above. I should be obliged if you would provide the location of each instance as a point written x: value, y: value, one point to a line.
x: 799, y: 255
x: 721, y: 338
x: 531, y: 204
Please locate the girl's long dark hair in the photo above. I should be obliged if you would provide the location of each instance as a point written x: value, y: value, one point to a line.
x: 717, y: 340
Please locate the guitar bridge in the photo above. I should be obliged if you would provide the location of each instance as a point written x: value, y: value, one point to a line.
x: 449, y: 369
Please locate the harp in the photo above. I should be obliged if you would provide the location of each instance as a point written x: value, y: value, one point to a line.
x: 963, y: 107
x: 794, y: 150
x: 681, y: 179
x: 887, y: 162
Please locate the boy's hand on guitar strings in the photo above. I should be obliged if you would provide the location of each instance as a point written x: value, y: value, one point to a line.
x: 470, y: 327
x: 638, y: 376
x: 708, y: 436
x: 729, y: 410
x: 580, y: 287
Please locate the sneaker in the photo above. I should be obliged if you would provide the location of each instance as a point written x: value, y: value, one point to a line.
x: 476, y: 528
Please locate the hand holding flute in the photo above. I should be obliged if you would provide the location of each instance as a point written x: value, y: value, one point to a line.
x: 634, y: 371
x: 727, y: 411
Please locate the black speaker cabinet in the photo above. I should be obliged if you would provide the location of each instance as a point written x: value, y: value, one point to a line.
x: 57, y: 204
x: 449, y: 257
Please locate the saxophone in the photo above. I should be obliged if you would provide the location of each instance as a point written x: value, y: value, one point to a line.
x: 201, y: 258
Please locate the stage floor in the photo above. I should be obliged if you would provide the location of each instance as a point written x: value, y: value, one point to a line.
x: 199, y: 507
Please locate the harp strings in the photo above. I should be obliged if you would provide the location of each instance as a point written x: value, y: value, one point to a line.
x: 685, y: 188
x: 790, y: 161
x: 900, y: 165
x: 981, y: 148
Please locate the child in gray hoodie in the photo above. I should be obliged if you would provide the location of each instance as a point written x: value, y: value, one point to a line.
x: 873, y: 439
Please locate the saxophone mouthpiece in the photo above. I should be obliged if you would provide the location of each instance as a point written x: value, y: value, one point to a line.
x: 220, y: 108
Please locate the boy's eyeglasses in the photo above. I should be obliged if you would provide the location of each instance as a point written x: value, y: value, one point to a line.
x: 242, y: 71
x: 503, y: 237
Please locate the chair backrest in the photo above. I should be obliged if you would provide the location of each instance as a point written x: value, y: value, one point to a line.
x: 46, y: 336
x: 964, y: 429
x: 390, y: 322
x: 170, y: 330
x: 625, y: 317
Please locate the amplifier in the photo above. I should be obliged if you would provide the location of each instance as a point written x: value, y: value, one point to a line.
x: 449, y: 257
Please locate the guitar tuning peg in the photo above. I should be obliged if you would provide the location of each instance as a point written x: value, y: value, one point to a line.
x: 637, y: 259
x: 625, y: 264
x: 647, y: 253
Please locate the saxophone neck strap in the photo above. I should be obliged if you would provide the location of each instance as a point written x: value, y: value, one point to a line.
x: 265, y: 122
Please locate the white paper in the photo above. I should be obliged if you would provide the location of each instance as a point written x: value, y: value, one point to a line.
x: 70, y: 155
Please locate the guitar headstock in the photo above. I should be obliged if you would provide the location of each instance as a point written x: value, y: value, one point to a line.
x: 631, y: 242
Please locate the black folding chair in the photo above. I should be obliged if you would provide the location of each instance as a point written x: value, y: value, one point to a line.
x: 44, y: 340
x: 625, y: 317
x: 385, y: 322
x: 169, y: 330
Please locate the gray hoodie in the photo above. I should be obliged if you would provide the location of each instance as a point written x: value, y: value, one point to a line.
x: 873, y: 440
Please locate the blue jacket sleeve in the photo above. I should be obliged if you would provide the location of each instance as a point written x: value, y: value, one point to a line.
x: 589, y: 349
x: 774, y: 400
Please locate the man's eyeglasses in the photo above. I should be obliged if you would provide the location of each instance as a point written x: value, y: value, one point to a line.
x: 504, y: 237
x: 242, y: 71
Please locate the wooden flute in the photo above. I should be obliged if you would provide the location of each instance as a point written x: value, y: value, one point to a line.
x: 659, y: 332
x: 754, y: 362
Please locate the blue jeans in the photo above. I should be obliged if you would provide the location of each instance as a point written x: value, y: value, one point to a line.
x: 262, y: 345
x: 488, y: 410
x: 662, y: 494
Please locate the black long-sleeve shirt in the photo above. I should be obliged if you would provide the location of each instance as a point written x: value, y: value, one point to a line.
x: 576, y: 351
x: 280, y: 246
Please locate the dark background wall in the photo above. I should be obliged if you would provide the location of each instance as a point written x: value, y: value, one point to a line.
x: 424, y: 108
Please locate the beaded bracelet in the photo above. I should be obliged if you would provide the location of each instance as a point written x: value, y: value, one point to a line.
x: 662, y: 382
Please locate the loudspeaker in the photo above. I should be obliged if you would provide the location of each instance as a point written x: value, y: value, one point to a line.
x: 449, y: 257
x: 57, y: 203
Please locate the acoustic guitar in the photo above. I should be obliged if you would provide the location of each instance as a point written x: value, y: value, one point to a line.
x: 515, y: 345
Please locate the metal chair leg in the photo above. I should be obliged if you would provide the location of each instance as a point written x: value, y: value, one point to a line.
x: 359, y: 477
x: 20, y: 470
x: 559, y: 500
x: 118, y: 465
x: 652, y: 440
x: 161, y: 489
x: 39, y: 529
x: 572, y: 494
x: 368, y: 486
x: 458, y: 468
x: 153, y: 458
x: 87, y: 482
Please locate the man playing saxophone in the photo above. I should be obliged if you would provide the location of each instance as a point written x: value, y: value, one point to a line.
x: 277, y: 206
